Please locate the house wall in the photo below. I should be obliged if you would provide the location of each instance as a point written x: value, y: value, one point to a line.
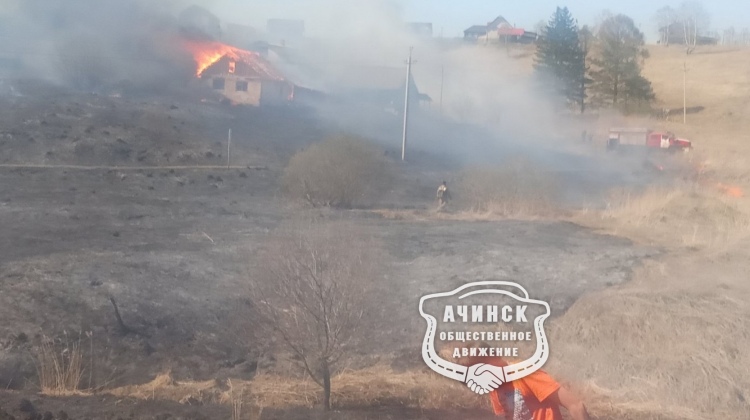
x: 249, y: 97
x: 259, y: 92
x: 274, y: 93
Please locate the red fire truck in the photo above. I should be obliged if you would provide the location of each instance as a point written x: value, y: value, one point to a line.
x: 625, y: 138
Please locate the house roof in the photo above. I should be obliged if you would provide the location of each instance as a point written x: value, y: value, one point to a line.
x: 511, y: 31
x: 248, y: 65
x: 477, y: 29
x: 497, y: 22
x: 420, y: 27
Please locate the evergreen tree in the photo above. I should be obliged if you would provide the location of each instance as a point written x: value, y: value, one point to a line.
x: 560, y: 57
x: 617, y: 77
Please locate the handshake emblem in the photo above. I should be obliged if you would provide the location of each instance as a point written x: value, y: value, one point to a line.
x: 482, y: 377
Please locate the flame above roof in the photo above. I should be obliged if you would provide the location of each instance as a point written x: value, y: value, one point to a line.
x: 217, y: 58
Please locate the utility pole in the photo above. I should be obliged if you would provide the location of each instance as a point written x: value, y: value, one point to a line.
x: 229, y: 148
x: 442, y: 83
x: 406, y: 104
x: 684, y: 92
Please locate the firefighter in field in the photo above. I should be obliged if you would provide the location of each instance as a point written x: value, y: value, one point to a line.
x: 443, y: 195
x: 535, y: 397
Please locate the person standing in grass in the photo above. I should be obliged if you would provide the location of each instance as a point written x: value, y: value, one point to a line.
x: 443, y: 195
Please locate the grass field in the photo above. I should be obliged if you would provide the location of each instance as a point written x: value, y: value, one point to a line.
x: 717, y: 83
x: 669, y: 341
x: 668, y: 344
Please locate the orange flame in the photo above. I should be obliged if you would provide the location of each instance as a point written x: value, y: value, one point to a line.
x: 207, y: 53
x: 731, y: 190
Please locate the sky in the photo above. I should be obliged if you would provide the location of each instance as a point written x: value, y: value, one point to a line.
x: 451, y: 17
x: 454, y: 16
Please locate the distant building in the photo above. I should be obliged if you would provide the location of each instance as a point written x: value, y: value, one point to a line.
x: 382, y: 87
x: 367, y: 86
x: 475, y: 32
x: 498, y: 23
x: 517, y: 36
x: 500, y: 30
x: 283, y: 31
x: 421, y: 29
x: 675, y: 34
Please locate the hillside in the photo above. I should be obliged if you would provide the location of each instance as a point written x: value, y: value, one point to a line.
x: 128, y: 198
x: 718, y: 100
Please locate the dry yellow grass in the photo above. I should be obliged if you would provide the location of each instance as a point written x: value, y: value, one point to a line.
x: 717, y: 80
x: 371, y: 387
x: 671, y: 341
x: 61, y: 366
x: 689, y: 216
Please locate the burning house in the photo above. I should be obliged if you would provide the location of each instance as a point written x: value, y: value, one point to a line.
x: 243, y: 77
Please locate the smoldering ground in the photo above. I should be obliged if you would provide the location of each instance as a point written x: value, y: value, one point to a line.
x: 484, y: 109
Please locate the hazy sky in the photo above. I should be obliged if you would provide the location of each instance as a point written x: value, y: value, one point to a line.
x: 455, y: 16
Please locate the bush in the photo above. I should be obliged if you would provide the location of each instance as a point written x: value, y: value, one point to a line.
x: 514, y: 189
x: 342, y: 172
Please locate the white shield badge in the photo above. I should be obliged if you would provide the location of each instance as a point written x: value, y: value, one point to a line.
x: 482, y: 377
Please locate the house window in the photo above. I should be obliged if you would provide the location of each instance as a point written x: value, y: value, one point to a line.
x: 232, y: 67
x: 218, y: 83
x: 241, y: 86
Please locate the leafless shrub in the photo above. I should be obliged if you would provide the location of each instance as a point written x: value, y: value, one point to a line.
x: 512, y: 190
x: 312, y: 294
x: 342, y: 171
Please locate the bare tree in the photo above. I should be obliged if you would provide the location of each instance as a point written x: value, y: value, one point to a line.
x: 732, y: 36
x: 745, y: 37
x: 694, y: 20
x: 665, y: 18
x: 313, y: 292
x: 729, y: 36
